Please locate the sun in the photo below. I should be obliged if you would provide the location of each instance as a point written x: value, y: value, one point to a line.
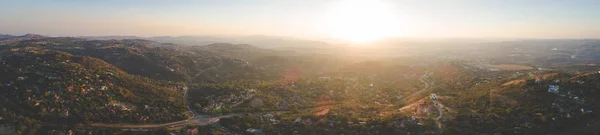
x: 360, y: 21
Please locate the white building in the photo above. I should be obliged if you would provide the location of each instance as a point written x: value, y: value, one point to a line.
x: 433, y: 96
x: 553, y: 88
x: 255, y: 131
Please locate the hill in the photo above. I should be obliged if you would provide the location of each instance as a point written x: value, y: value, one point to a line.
x: 147, y: 58
x: 2, y: 36
x: 42, y: 87
x: 533, y: 102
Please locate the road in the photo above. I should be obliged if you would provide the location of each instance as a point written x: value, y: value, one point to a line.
x: 196, y: 121
x: 438, y: 105
x: 427, y: 74
x: 437, y: 119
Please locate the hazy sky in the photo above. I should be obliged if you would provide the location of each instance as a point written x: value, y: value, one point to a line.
x: 298, y: 18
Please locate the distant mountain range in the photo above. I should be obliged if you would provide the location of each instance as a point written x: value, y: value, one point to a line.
x: 259, y: 41
x: 2, y: 36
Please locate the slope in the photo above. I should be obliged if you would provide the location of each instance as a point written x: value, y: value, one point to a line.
x: 42, y: 87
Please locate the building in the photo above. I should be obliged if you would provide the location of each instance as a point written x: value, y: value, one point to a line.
x: 21, y: 78
x: 299, y: 119
x: 433, y: 96
x: 556, y: 81
x: 254, y: 131
x: 553, y: 88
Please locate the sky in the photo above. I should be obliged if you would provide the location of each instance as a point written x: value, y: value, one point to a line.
x: 298, y: 18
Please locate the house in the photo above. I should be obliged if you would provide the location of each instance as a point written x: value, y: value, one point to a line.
x: 121, y: 107
x: 553, y: 88
x: 585, y: 110
x: 108, y: 73
x: 274, y: 121
x: 10, y: 83
x: 269, y: 116
x: 299, y: 119
x: 252, y: 90
x: 542, y: 69
x: 21, y: 78
x: 254, y: 131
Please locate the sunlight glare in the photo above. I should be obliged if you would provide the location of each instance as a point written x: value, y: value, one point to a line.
x: 360, y: 21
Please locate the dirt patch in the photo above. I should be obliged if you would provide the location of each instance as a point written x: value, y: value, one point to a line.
x: 512, y: 67
x: 325, y: 103
x: 419, y: 108
x: 514, y: 82
x: 546, y: 75
x: 322, y: 112
x: 413, y: 105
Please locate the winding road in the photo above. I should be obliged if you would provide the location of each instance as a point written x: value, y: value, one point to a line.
x: 437, y: 119
x: 427, y: 74
x: 437, y: 104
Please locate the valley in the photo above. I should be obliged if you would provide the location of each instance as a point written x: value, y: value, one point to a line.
x: 136, y: 86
